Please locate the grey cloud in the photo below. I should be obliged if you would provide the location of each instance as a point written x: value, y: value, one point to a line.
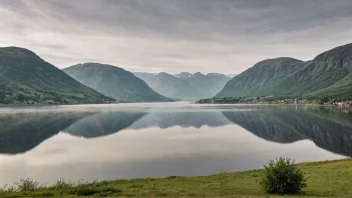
x: 175, y: 35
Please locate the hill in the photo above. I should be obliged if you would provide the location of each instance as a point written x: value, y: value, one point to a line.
x: 328, y: 75
x: 170, y: 86
x: 26, y: 78
x: 114, y: 82
x: 261, y: 75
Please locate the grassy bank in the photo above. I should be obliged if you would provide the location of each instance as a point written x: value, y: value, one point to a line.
x: 325, y: 179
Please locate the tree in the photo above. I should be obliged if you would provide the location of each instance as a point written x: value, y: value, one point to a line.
x: 2, y: 97
x: 7, y: 100
x: 20, y: 97
x: 282, y: 176
x: 320, y: 101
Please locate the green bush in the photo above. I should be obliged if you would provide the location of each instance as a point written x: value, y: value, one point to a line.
x: 7, y: 188
x: 27, y: 185
x: 281, y: 176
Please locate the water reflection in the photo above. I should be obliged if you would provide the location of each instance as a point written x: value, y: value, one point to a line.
x: 102, y: 124
x: 21, y: 132
x: 166, y: 120
x: 327, y: 128
x: 114, y: 143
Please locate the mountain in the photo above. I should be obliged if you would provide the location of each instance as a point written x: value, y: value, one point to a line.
x: 327, y: 75
x: 114, y: 82
x: 207, y: 85
x: 261, y: 75
x: 231, y: 75
x: 185, y: 86
x: 170, y: 86
x: 25, y: 77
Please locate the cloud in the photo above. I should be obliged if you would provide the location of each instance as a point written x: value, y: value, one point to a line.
x: 185, y: 35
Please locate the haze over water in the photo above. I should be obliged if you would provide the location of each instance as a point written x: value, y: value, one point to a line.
x: 164, y: 139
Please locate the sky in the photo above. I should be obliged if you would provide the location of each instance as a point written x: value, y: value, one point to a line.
x: 224, y: 36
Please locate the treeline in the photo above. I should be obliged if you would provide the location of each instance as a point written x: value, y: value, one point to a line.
x: 228, y: 100
x: 25, y: 98
x: 331, y: 100
x: 274, y: 100
x: 219, y: 101
x: 29, y: 96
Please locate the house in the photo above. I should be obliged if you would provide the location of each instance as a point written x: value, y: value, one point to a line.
x: 346, y: 104
x: 281, y: 102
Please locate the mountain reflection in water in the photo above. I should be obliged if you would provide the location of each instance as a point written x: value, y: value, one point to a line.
x: 159, y: 140
x: 328, y: 128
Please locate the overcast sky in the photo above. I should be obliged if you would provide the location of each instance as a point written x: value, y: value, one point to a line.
x: 226, y: 36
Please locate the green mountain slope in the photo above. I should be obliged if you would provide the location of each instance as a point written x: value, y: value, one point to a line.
x: 327, y: 75
x: 342, y: 88
x: 170, y: 86
x: 24, y: 77
x: 263, y: 74
x: 114, y: 82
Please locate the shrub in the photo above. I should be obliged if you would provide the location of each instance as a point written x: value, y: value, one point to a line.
x: 281, y: 176
x: 7, y: 188
x: 27, y: 185
x: 62, y: 184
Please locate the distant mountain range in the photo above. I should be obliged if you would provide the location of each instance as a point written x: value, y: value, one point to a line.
x: 207, y: 85
x: 185, y: 86
x: 25, y: 77
x: 327, y: 75
x: 170, y: 86
x: 114, y: 82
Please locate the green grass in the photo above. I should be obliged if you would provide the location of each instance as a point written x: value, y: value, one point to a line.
x: 325, y: 179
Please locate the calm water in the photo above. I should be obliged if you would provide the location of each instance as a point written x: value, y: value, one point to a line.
x: 137, y: 140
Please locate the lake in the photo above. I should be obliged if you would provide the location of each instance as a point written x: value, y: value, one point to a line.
x: 116, y: 141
